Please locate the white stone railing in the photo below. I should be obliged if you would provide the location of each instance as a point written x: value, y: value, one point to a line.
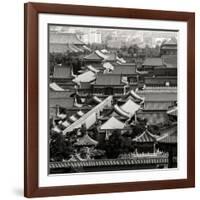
x: 143, y: 160
x: 143, y: 155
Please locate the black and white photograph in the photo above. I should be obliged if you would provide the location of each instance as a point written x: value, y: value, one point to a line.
x: 112, y: 99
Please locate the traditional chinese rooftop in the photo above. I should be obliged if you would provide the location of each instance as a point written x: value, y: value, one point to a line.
x: 169, y: 130
x: 157, y: 105
x: 160, y: 89
x: 158, y: 96
x: 146, y: 136
x: 168, y: 71
x: 85, y: 77
x: 112, y: 123
x: 61, y: 102
x: 60, y: 94
x: 55, y: 87
x: 75, y: 49
x: 124, y: 70
x: 169, y: 139
x: 86, y: 140
x: 170, y: 61
x: 173, y: 111
x: 169, y: 135
x: 59, y: 48
x: 169, y: 47
x: 160, y: 81
x: 153, y: 62
x: 130, y: 107
x: 108, y: 79
x: 171, y: 41
x: 62, y: 72
x: 93, y: 57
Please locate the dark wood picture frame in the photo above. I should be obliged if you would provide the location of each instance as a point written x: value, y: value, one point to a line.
x: 31, y: 186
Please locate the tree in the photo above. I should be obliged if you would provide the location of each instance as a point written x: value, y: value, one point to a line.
x: 118, y: 144
x: 60, y: 148
x: 154, y: 129
x: 68, y: 59
x: 133, y: 49
x: 113, y: 145
x: 137, y: 130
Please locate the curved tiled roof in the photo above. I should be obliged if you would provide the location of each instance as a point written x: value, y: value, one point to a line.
x: 55, y: 87
x: 80, y: 113
x: 85, y: 77
x: 170, y: 60
x: 124, y: 69
x: 173, y: 111
x: 135, y: 95
x: 171, y: 41
x: 121, y: 112
x: 130, y: 107
x: 161, y: 96
x: 86, y: 140
x: 93, y: 69
x: 93, y: 56
x: 108, y: 79
x: 59, y: 48
x: 161, y: 81
x: 157, y: 105
x: 108, y: 66
x: 169, y: 138
x: 169, y: 71
x: 61, y: 102
x: 62, y: 72
x: 146, y: 136
x: 112, y: 123
x: 153, y: 62
x: 60, y: 94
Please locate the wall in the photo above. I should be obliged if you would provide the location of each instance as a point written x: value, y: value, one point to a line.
x: 11, y: 87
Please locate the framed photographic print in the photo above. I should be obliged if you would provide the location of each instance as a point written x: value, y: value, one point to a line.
x: 109, y: 99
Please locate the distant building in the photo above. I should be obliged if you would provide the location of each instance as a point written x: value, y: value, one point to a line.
x: 108, y: 84
x: 170, y: 61
x: 168, y: 52
x: 147, y: 69
x: 93, y: 58
x: 125, y: 69
x: 145, y: 142
x: 160, y: 71
x: 160, y: 104
x: 161, y: 81
x: 128, y: 73
x: 150, y: 64
x: 169, y: 47
x: 62, y: 75
x: 92, y: 36
x: 167, y: 142
x: 159, y: 99
x: 58, y: 101
x: 62, y: 42
x: 98, y: 57
x: 62, y: 72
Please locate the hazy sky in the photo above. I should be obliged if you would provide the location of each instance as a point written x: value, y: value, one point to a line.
x: 154, y: 33
x: 137, y: 35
